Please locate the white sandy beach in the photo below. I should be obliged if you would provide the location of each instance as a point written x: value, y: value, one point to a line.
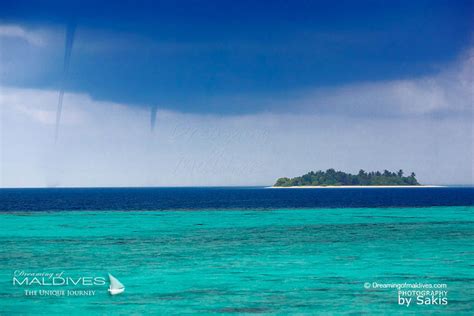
x: 358, y: 187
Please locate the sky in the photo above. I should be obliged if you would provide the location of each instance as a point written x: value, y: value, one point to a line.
x: 244, y: 91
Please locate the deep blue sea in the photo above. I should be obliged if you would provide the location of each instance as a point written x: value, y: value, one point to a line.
x: 237, y: 251
x: 254, y: 198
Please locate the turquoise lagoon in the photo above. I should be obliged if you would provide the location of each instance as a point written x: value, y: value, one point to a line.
x: 284, y: 261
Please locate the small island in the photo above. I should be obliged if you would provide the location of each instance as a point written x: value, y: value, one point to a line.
x: 332, y: 177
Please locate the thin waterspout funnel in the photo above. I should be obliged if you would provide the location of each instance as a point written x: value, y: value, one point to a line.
x: 71, y: 28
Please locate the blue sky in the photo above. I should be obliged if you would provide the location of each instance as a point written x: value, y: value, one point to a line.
x: 244, y: 91
x: 183, y: 54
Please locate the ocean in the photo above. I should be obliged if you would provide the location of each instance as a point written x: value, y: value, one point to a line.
x: 246, y: 250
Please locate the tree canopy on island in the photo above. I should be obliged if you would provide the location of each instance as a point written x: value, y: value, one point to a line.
x: 332, y: 177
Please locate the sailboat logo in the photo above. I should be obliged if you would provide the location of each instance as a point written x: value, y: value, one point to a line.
x: 116, y: 287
